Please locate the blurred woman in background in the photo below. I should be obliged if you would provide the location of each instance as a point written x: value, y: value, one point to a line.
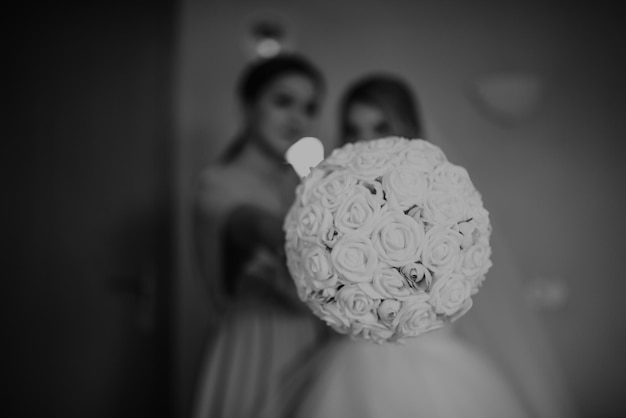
x: 262, y: 329
x: 378, y: 106
x: 492, y: 362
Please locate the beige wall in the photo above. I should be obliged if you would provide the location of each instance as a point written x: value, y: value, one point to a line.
x: 552, y: 181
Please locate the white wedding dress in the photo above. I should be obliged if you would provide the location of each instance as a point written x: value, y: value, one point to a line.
x: 435, y: 376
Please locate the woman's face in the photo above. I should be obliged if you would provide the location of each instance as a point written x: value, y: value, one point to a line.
x: 284, y: 112
x: 365, y: 122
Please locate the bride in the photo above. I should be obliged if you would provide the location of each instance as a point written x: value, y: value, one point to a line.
x: 493, y: 362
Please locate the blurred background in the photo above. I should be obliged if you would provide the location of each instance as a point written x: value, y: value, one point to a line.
x: 116, y: 107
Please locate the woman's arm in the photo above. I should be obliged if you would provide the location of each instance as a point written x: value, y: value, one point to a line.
x: 249, y: 227
x: 227, y: 235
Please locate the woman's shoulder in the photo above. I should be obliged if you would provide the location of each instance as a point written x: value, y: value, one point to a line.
x: 212, y: 189
x: 224, y: 186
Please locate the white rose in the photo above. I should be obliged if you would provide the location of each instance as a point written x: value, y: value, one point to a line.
x: 341, y: 156
x: 331, y: 237
x: 478, y: 282
x: 290, y: 222
x: 470, y: 232
x: 322, y: 297
x: 474, y: 199
x: 398, y: 238
x: 445, y: 208
x: 387, y: 283
x: 355, y: 305
x: 416, y: 212
x: 375, y: 188
x: 422, y: 155
x: 331, y: 190
x: 450, y: 176
x: 371, y: 164
x: 306, y: 186
x: 475, y: 261
x: 359, y: 210
x: 416, y: 317
x: 462, y: 310
x: 391, y: 145
x: 477, y: 211
x: 405, y: 187
x: 373, y: 331
x: 333, y: 315
x: 354, y: 258
x: 442, y: 249
x: 318, y: 268
x: 360, y: 146
x: 449, y: 293
x: 314, y: 223
x: 417, y: 275
x: 388, y: 311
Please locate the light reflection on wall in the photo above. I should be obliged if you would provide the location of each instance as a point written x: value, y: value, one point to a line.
x: 269, y: 36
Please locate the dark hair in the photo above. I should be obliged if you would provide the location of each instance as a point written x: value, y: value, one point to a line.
x: 262, y: 72
x: 389, y: 93
x: 259, y: 75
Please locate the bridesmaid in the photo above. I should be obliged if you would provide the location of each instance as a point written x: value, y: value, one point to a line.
x: 263, y: 330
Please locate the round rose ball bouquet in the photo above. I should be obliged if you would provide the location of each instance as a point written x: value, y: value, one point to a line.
x: 387, y: 239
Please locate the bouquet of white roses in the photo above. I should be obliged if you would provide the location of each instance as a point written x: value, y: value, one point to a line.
x: 387, y: 239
